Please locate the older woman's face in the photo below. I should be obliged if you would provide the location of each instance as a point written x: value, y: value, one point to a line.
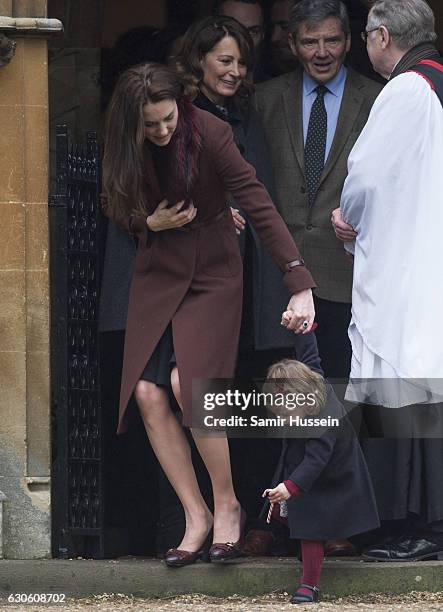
x: 160, y: 121
x: 223, y: 70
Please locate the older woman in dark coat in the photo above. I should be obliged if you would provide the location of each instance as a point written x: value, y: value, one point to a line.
x: 216, y: 59
x: 168, y: 169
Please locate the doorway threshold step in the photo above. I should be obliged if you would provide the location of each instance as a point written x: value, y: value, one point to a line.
x: 142, y: 577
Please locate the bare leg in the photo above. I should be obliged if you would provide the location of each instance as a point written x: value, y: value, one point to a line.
x: 172, y: 450
x: 215, y: 454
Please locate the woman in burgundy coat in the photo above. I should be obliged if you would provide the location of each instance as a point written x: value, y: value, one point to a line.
x: 167, y: 171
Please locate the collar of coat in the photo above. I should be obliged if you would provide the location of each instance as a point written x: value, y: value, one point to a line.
x: 413, y: 57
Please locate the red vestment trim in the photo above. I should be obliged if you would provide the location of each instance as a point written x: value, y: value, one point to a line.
x: 425, y: 78
x: 433, y: 64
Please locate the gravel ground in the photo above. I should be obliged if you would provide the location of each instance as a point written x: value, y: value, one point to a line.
x: 200, y: 603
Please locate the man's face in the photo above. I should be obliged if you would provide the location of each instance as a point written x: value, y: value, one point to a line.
x: 281, y: 53
x: 322, y: 49
x: 249, y: 15
x: 279, y: 15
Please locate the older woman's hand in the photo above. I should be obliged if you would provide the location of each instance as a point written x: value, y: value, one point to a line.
x: 164, y: 218
x: 239, y: 221
x: 343, y: 231
x: 300, y: 314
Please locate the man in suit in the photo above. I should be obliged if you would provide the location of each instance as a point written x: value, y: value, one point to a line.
x: 312, y: 118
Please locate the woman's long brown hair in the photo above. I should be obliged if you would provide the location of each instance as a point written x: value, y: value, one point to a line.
x: 124, y: 173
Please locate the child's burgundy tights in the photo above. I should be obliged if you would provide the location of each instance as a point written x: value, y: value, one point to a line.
x: 313, y: 553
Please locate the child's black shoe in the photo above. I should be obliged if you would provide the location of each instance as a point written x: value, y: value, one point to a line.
x: 301, y: 597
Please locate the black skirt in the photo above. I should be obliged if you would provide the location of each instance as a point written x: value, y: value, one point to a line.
x: 162, y: 361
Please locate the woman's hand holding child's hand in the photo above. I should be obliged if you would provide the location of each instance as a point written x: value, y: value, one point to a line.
x: 164, y: 218
x: 277, y: 495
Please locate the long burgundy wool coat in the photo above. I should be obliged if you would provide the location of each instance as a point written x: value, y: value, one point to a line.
x: 194, y: 277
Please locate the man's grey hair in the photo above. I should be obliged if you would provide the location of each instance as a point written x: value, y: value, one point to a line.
x: 409, y: 22
x: 313, y: 12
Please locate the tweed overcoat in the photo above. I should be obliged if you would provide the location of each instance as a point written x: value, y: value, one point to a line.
x: 279, y: 104
x: 337, y: 498
x: 192, y: 277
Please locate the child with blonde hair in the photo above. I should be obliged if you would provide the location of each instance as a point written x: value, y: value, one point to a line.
x: 321, y: 484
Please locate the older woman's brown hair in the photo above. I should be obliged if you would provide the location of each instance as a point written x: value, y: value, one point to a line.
x: 201, y: 38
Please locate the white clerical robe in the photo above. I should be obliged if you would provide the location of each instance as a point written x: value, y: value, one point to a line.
x: 393, y: 197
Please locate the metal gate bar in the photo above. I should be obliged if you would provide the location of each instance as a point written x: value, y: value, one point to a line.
x: 77, y: 506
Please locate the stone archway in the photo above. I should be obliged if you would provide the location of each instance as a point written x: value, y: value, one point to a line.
x: 24, y: 299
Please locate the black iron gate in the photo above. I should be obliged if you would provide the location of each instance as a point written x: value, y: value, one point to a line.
x: 77, y: 440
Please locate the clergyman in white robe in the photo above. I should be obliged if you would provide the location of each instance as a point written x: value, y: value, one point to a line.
x: 393, y: 198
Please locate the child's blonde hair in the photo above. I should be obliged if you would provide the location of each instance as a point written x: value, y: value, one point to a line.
x: 297, y: 378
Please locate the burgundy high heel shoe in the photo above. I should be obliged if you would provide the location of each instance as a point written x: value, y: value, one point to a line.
x: 226, y: 551
x: 176, y: 557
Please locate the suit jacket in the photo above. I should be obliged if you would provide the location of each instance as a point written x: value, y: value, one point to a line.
x: 279, y: 103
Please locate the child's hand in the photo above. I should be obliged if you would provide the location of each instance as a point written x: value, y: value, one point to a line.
x: 286, y: 318
x: 279, y: 494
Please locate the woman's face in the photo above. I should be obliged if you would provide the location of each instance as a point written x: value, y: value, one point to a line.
x: 223, y: 70
x: 160, y: 121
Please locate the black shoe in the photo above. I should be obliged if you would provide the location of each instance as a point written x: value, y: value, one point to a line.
x: 302, y: 598
x: 407, y: 548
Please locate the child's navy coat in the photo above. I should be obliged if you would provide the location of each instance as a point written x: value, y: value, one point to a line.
x: 337, y: 499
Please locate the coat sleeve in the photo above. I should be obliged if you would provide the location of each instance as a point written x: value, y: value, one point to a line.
x: 306, y: 351
x: 318, y: 452
x: 239, y: 178
x: 134, y: 223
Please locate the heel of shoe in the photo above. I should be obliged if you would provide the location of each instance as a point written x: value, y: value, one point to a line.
x: 204, y: 556
x: 203, y: 553
x: 226, y: 551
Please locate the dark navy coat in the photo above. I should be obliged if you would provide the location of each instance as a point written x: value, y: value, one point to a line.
x: 337, y: 499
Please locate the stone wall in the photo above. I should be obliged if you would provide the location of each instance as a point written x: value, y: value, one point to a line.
x: 24, y: 301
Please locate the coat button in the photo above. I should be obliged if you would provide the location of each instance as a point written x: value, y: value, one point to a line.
x: 302, y: 189
x: 309, y: 227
